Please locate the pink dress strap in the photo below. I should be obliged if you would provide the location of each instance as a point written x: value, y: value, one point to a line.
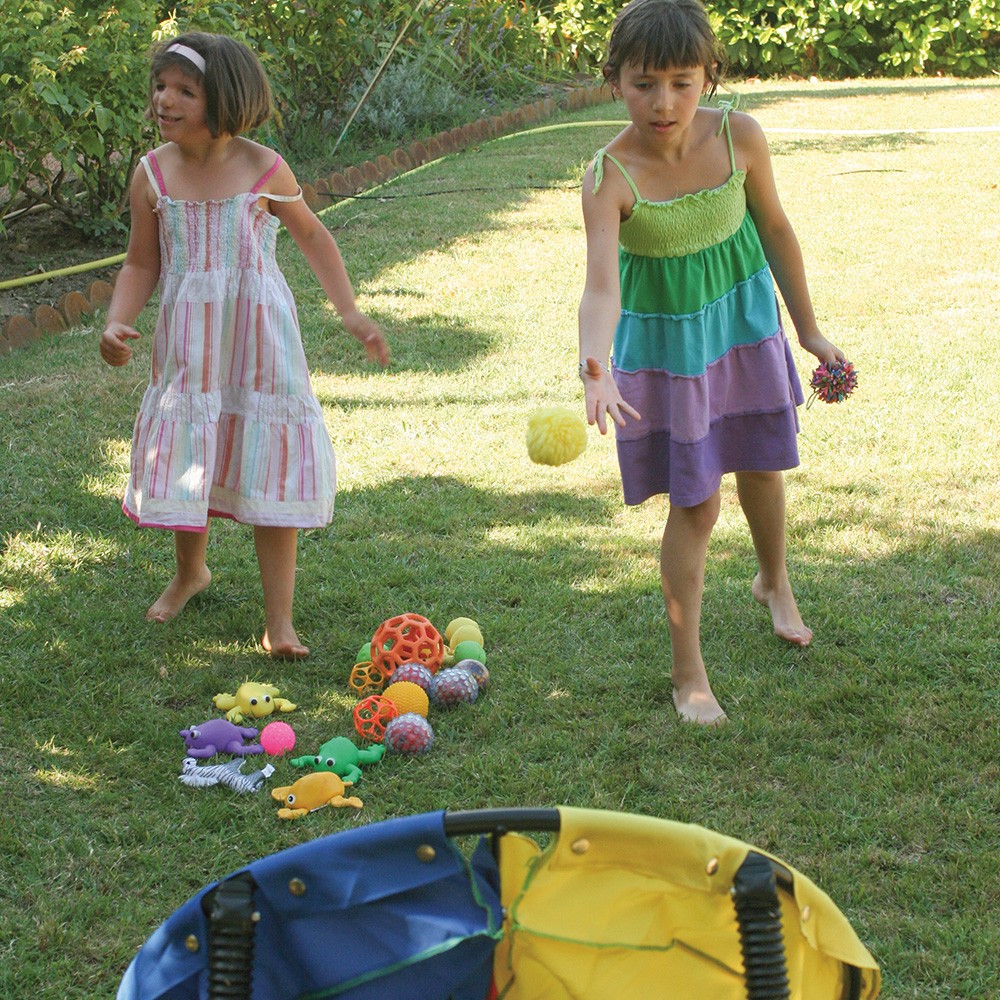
x: 152, y: 169
x: 268, y: 175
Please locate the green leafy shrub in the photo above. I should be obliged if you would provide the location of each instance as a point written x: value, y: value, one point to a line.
x: 575, y: 33
x: 494, y: 47
x: 314, y: 54
x: 414, y: 95
x: 72, y: 107
x: 838, y: 38
x: 950, y: 37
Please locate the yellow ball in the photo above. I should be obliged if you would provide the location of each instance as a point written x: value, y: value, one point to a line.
x: 408, y: 697
x: 555, y: 436
x: 454, y: 624
x: 470, y: 631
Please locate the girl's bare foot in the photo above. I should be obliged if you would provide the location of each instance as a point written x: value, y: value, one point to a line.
x: 787, y: 621
x: 698, y: 706
x: 179, y: 591
x: 285, y: 646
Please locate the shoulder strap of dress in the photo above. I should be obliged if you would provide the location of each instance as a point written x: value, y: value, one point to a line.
x: 599, y: 172
x: 152, y: 169
x: 267, y: 176
x: 726, y: 107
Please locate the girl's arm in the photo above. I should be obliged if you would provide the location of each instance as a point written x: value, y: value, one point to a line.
x: 781, y: 246
x: 600, y: 305
x: 323, y: 255
x: 138, y: 277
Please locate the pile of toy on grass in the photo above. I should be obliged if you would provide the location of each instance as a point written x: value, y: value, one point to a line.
x: 407, y: 668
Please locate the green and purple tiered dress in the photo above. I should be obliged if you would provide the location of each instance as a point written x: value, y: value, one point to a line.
x: 699, y: 349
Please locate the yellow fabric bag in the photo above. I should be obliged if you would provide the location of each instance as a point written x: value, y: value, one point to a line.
x: 630, y: 906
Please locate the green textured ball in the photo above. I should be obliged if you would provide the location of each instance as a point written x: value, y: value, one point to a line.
x: 469, y: 650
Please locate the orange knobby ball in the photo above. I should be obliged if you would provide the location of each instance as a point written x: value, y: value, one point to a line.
x: 405, y: 639
x: 407, y: 697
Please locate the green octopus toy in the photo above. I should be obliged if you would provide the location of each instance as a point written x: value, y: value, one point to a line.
x: 341, y: 757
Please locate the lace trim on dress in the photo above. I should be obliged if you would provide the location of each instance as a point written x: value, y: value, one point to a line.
x: 207, y: 407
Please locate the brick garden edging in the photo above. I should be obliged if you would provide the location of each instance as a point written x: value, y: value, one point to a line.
x: 73, y: 307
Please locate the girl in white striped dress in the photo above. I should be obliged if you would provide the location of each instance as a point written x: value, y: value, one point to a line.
x: 229, y: 425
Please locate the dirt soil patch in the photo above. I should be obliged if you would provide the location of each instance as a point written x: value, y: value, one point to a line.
x: 45, y: 241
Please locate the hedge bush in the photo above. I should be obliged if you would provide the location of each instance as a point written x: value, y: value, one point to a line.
x: 71, y: 115
x: 842, y: 38
x: 73, y: 78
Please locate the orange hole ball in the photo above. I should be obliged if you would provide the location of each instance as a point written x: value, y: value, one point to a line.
x: 408, y: 697
x: 372, y: 715
x: 405, y: 639
x: 367, y: 677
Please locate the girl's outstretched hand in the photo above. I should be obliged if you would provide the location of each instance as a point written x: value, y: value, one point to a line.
x: 114, y: 344
x: 818, y: 345
x: 368, y: 332
x: 603, y: 398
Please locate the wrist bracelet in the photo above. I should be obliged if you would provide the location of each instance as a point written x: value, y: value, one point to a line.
x: 582, y: 369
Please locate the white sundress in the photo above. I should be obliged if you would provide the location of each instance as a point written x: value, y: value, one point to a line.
x: 229, y: 425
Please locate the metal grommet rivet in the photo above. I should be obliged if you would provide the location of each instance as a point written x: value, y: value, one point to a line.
x: 806, y: 912
x: 296, y: 887
x: 191, y: 943
x: 580, y: 846
x: 426, y: 853
x: 255, y: 917
x: 712, y: 867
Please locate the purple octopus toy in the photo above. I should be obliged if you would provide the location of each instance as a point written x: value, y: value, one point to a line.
x: 219, y: 736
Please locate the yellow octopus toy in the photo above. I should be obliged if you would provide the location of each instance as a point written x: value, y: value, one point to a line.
x: 312, y: 792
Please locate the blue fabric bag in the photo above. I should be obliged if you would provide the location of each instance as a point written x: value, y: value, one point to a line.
x: 390, y: 909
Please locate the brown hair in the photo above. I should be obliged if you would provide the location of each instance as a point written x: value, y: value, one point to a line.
x: 237, y: 94
x: 662, y: 34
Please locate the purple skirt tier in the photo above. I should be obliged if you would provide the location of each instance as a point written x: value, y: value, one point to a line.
x: 738, y: 416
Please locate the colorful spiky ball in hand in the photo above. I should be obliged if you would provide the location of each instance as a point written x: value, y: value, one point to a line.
x: 833, y: 383
x: 409, y: 734
x: 555, y: 436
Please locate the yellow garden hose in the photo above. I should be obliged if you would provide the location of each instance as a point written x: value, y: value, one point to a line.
x: 31, y: 279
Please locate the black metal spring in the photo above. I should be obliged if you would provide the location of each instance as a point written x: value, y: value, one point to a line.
x: 231, y: 924
x: 758, y: 913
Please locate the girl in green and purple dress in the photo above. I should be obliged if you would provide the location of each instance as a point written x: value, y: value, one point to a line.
x: 686, y: 238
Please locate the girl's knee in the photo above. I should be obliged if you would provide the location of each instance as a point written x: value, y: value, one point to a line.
x: 701, y: 517
x: 760, y: 480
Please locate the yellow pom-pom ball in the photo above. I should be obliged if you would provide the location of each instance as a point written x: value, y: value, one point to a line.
x: 408, y: 697
x: 555, y: 436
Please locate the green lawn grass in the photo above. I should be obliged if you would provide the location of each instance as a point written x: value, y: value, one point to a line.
x: 868, y: 761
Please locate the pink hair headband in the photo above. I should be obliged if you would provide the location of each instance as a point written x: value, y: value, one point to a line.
x: 188, y: 53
